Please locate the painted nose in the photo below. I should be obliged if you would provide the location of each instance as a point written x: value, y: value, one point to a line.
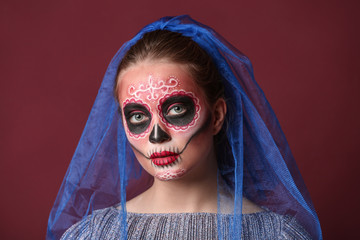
x: 158, y: 135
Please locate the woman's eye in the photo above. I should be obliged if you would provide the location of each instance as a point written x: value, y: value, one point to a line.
x: 137, y: 118
x: 176, y: 110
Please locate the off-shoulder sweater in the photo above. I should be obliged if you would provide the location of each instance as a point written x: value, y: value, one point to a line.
x: 106, y: 224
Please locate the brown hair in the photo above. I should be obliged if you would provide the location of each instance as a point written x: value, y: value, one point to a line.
x: 174, y: 47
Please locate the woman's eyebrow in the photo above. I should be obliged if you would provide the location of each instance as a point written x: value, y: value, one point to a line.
x: 134, y: 106
x: 177, y: 98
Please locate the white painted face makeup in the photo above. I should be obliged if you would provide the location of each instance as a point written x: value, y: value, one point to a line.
x: 166, y: 118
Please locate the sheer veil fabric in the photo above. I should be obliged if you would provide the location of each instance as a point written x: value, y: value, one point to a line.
x: 254, y: 160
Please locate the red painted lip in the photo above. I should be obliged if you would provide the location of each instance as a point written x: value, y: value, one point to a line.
x: 163, y: 158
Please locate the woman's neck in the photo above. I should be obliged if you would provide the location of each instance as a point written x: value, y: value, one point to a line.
x: 194, y: 192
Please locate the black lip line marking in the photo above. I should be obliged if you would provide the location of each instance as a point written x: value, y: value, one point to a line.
x: 203, y: 127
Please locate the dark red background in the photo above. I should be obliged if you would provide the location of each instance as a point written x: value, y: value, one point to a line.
x: 53, y: 55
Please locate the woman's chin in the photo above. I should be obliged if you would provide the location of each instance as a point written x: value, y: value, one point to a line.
x: 169, y: 174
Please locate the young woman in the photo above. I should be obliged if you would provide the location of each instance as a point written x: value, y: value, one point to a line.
x: 187, y: 110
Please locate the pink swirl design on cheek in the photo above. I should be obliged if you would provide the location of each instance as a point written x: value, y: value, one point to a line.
x: 143, y: 134
x: 180, y: 93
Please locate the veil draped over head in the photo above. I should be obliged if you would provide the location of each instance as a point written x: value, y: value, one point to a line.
x: 257, y: 163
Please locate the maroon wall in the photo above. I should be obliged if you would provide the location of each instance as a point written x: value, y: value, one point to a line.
x: 53, y: 55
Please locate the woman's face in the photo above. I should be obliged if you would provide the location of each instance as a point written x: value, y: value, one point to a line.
x: 166, y: 118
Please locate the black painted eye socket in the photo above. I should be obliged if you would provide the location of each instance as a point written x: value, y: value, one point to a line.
x: 178, y: 110
x: 137, y: 117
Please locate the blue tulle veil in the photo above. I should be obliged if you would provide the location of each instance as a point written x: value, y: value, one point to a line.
x: 258, y: 163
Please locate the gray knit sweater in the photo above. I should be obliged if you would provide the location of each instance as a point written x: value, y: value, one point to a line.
x: 105, y: 224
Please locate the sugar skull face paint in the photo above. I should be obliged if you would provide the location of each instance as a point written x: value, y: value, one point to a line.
x: 138, y: 117
x: 166, y: 118
x: 179, y: 110
x: 152, y: 89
